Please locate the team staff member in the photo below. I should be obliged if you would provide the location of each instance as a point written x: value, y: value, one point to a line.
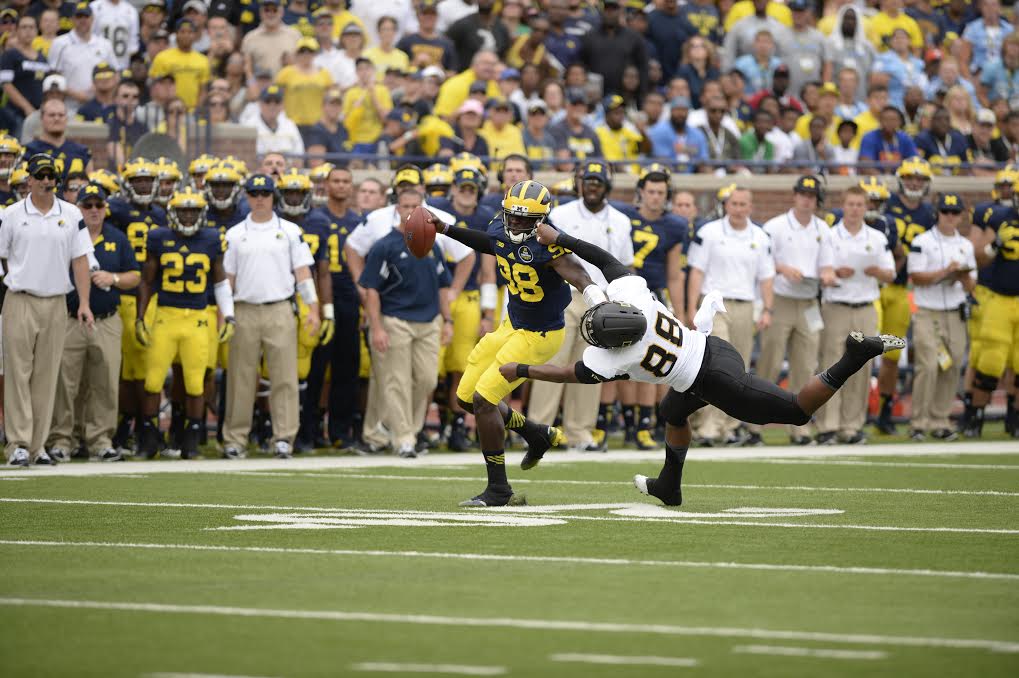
x: 801, y: 248
x: 93, y: 356
x: 862, y: 258
x: 183, y: 261
x: 942, y: 268
x: 265, y: 259
x: 40, y: 236
x: 592, y: 219
x: 515, y: 168
x: 912, y: 215
x: 408, y: 316
x: 732, y: 256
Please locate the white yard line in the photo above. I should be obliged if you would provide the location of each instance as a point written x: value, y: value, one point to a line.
x: 566, y: 560
x: 450, y: 460
x: 456, y: 669
x: 893, y: 464
x: 623, y: 660
x: 195, y: 675
x: 639, y: 519
x: 1006, y: 646
x: 628, y: 483
x: 819, y: 653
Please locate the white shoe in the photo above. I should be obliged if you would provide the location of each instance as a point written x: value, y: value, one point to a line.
x: 60, y: 455
x: 282, y: 450
x: 43, y: 459
x: 109, y: 454
x: 19, y: 457
x: 170, y: 453
x: 407, y: 451
x: 234, y: 453
x: 640, y: 482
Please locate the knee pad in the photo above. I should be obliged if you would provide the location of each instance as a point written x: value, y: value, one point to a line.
x: 984, y: 382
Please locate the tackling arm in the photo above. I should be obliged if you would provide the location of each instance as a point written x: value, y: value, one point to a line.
x: 577, y: 373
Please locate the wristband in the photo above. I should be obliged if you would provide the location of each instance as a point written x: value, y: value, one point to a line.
x: 523, y: 371
x: 306, y: 288
x: 224, y: 297
x: 327, y: 312
x: 594, y: 295
x: 489, y: 296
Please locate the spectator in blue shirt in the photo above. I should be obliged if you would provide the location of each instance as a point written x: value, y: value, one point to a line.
x: 943, y: 147
x: 887, y: 144
x: 673, y: 141
x: 1000, y: 78
x: 986, y: 34
x: 903, y: 69
x: 758, y: 66
x: 408, y: 315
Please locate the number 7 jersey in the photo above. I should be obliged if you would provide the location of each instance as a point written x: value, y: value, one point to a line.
x: 185, y: 266
x: 668, y: 353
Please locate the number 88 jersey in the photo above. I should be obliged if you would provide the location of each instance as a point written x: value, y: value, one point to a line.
x: 668, y: 353
x: 185, y: 266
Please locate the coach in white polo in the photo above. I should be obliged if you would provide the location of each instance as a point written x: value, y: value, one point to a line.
x: 40, y: 237
x: 265, y: 260
x: 801, y: 247
x: 590, y: 218
x: 731, y: 256
x: 862, y: 260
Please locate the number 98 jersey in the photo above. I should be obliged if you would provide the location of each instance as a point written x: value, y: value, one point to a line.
x: 668, y: 353
x: 185, y: 266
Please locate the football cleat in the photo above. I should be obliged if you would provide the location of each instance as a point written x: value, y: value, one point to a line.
x: 282, y: 450
x: 537, y: 445
x: 59, y: 455
x: 645, y: 441
x: 917, y: 435
x: 19, y: 457
x: 858, y: 438
x: 501, y: 495
x: 43, y: 459
x: 827, y: 438
x: 647, y: 486
x: 945, y: 435
x: 234, y: 453
x: 109, y: 454
x: 871, y: 347
x: 753, y: 440
x: 408, y: 451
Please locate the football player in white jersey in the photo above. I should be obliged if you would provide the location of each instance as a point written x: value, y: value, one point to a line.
x: 118, y: 22
x: 634, y: 336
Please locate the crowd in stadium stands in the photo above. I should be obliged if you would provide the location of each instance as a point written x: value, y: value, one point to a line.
x: 462, y: 100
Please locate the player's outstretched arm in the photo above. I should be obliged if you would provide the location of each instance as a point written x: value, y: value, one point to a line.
x: 608, y: 264
x: 577, y: 373
x: 476, y: 240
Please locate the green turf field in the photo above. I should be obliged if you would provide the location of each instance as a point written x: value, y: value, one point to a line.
x: 897, y: 560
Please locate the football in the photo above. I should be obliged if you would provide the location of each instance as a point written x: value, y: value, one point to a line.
x: 419, y: 232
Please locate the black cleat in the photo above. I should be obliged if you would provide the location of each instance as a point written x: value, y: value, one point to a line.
x: 647, y: 486
x: 537, y: 445
x: 458, y: 440
x: 496, y: 495
x: 864, y: 347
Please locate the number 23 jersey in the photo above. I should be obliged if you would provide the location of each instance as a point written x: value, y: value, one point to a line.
x: 668, y: 353
x: 185, y: 265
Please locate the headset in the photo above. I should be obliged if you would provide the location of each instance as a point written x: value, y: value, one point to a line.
x: 655, y: 168
x: 515, y: 156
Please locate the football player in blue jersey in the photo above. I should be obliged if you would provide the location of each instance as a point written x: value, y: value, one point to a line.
x: 912, y: 215
x: 337, y: 218
x: 659, y: 242
x: 134, y: 213
x: 538, y: 279
x: 10, y: 154
x: 438, y: 180
x: 183, y: 260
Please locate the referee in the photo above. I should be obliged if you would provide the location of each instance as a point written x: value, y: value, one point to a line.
x: 265, y: 258
x: 39, y: 237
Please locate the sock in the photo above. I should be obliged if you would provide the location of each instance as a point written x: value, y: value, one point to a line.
x: 887, y: 400
x: 495, y: 464
x: 148, y: 434
x: 603, y: 416
x: 644, y: 422
x: 515, y: 421
x: 628, y: 416
x: 848, y: 365
x: 667, y: 486
x: 189, y: 437
x: 967, y: 403
x: 1009, y: 403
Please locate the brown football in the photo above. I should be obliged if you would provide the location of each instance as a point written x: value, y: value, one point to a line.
x: 419, y: 232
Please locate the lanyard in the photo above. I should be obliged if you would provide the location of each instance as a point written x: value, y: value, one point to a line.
x: 717, y: 142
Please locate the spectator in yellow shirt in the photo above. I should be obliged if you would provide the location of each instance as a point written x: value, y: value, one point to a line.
x: 304, y: 85
x: 877, y: 99
x: 365, y: 106
x: 502, y: 136
x: 384, y: 55
x: 619, y: 141
x: 745, y: 8
x: 456, y: 90
x: 828, y: 99
x: 190, y: 69
x: 887, y: 21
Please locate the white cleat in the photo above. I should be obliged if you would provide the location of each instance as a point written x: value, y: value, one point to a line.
x: 640, y: 482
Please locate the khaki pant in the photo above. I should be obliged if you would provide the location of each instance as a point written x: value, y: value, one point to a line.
x: 88, y: 386
x: 736, y: 326
x: 846, y: 412
x: 405, y: 376
x: 580, y: 401
x: 934, y: 388
x: 33, y: 338
x: 268, y: 329
x: 788, y: 334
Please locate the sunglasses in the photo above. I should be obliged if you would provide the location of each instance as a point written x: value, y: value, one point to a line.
x: 92, y: 206
x: 217, y: 104
x: 259, y: 194
x: 45, y: 176
x: 716, y: 110
x: 954, y: 213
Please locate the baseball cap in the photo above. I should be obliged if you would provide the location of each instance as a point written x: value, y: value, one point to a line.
x: 351, y: 29
x: 596, y: 170
x: 612, y: 102
x: 40, y: 162
x: 470, y: 106
x: 932, y: 55
x: 103, y: 70
x: 680, y: 102
x: 433, y: 72
x: 9, y: 13
x: 575, y: 95
x: 829, y: 88
x: 616, y: 3
x: 949, y: 202
x: 509, y: 74
x: 159, y: 4
x: 985, y: 116
x: 90, y: 190
x: 496, y: 102
x: 161, y: 34
x: 781, y: 69
x: 402, y: 116
x: 259, y: 182
x: 272, y: 93
x: 478, y: 87
x: 271, y: 2
x: 809, y: 184
x: 536, y: 106
x: 428, y: 6
x: 54, y: 81
x: 186, y: 21
x: 333, y: 94
x: 322, y: 13
x: 82, y: 9
x: 799, y: 5
x: 196, y: 5
x: 309, y: 44
x: 467, y: 175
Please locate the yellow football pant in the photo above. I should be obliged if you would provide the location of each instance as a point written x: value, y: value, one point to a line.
x: 183, y: 332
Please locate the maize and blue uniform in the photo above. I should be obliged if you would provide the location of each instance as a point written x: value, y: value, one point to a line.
x: 909, y: 223
x: 69, y: 157
x: 652, y: 242
x: 181, y: 323
x: 135, y: 222
x: 985, y: 215
x: 533, y: 332
x: 998, y: 331
x: 221, y: 222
